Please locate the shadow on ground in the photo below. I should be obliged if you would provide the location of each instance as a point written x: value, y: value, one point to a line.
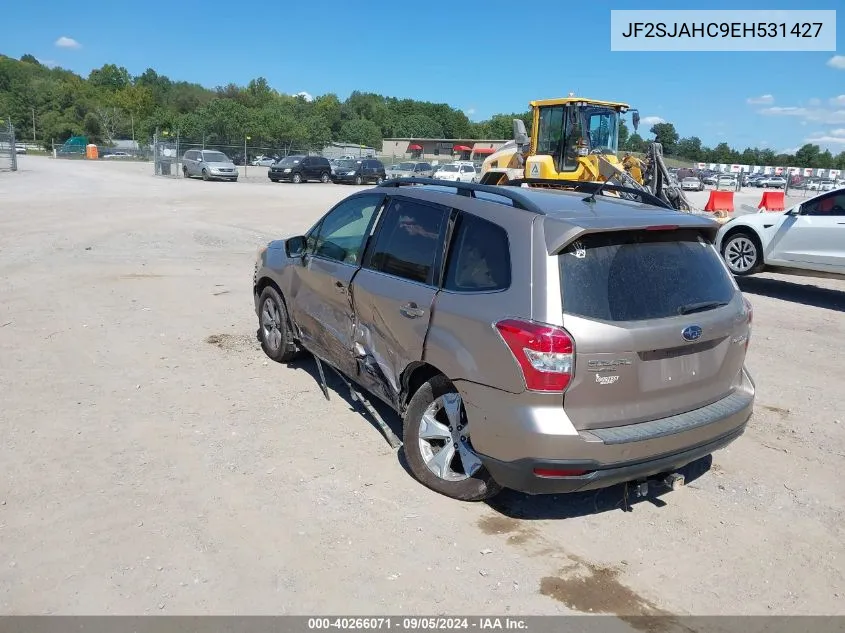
x: 510, y: 503
x: 337, y: 389
x: 517, y: 505
x: 805, y: 294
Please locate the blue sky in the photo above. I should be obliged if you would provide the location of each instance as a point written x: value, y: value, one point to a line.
x: 481, y: 57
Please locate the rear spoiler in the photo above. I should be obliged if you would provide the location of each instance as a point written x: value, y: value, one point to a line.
x: 561, y: 233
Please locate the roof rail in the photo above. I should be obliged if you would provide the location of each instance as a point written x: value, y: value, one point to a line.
x: 585, y: 186
x: 469, y: 189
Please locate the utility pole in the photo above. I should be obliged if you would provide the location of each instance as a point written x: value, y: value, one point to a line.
x: 33, y: 124
x: 246, y: 160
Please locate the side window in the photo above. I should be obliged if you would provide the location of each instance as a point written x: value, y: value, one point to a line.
x: 479, y: 257
x: 833, y: 204
x: 409, y: 240
x: 343, y: 231
x: 311, y: 238
x: 305, y: 162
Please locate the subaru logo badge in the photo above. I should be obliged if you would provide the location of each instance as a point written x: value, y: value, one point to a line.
x: 691, y: 333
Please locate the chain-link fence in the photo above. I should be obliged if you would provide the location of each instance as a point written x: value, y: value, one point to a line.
x: 8, y: 154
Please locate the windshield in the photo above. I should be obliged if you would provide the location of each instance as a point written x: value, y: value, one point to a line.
x: 214, y: 157
x: 290, y: 160
x: 449, y: 168
x: 407, y: 166
x: 348, y: 164
x: 602, y: 128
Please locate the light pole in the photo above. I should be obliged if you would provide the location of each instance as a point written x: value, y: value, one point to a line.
x: 246, y: 160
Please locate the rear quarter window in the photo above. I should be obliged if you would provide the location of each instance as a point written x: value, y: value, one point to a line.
x: 639, y: 275
x: 479, y: 257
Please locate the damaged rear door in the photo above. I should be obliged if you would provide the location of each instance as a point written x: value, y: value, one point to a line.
x: 395, y: 290
x: 321, y: 303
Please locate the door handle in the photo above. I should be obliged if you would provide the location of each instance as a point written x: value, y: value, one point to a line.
x: 411, y: 310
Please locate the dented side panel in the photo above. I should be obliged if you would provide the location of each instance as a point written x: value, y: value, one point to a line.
x: 391, y: 322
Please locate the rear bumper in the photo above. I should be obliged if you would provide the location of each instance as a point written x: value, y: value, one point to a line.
x: 519, y: 475
x: 513, y: 436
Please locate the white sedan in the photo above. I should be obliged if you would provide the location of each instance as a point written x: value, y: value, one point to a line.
x: 456, y: 172
x: 808, y: 238
x: 264, y: 161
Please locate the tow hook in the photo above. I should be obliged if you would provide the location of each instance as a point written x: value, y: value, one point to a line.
x: 674, y: 481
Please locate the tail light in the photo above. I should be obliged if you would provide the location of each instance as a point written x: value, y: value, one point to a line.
x: 545, y: 353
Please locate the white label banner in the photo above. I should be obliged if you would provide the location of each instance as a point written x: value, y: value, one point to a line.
x: 723, y: 30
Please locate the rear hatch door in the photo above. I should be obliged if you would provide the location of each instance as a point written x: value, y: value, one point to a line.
x: 659, y: 325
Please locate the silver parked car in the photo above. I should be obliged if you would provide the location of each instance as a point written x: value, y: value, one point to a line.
x: 412, y: 170
x: 209, y: 164
x: 529, y: 339
x: 691, y: 183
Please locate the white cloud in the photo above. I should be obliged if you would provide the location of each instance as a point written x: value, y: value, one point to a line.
x: 815, y: 115
x: 814, y: 102
x: 837, y: 61
x: 826, y: 140
x: 789, y: 150
x: 838, y: 101
x: 761, y: 100
x: 652, y: 120
x: 67, y: 42
x: 839, y: 132
x: 469, y: 111
x: 307, y: 96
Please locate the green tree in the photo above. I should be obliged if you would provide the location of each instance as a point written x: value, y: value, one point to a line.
x: 666, y: 135
x: 636, y: 143
x: 624, y: 133
x: 689, y: 148
x: 30, y: 59
x: 109, y: 77
x: 418, y: 126
x: 807, y: 155
x: 361, y: 131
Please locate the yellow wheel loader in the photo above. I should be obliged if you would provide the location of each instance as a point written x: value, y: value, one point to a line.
x: 576, y: 140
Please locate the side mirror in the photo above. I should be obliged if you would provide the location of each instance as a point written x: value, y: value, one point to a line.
x: 796, y: 210
x: 295, y: 246
x: 519, y: 133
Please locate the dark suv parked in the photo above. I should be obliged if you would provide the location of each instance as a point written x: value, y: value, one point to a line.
x: 301, y: 169
x: 359, y: 171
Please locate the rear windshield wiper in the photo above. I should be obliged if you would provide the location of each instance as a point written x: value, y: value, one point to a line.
x: 701, y: 306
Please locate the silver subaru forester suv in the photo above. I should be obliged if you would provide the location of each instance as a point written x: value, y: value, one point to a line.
x: 529, y: 339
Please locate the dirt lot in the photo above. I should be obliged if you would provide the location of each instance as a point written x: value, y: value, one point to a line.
x: 152, y: 460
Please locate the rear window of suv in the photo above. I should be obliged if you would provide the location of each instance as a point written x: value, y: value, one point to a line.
x: 638, y: 275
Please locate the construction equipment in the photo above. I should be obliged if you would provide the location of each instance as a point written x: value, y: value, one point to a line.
x: 576, y: 139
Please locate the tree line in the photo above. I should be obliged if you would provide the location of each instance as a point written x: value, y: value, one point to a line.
x: 692, y: 149
x: 112, y: 104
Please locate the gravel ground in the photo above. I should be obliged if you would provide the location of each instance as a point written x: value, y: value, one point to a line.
x: 152, y: 460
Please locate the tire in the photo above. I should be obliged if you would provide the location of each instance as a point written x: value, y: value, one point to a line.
x: 274, y: 180
x: 419, y: 452
x: 324, y: 178
x: 742, y: 254
x: 205, y: 175
x: 185, y: 172
x: 359, y: 180
x: 296, y: 178
x: 379, y: 180
x: 274, y: 329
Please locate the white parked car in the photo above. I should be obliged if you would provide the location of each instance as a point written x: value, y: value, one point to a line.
x: 808, y: 238
x: 20, y: 148
x: 456, y: 172
x: 118, y: 155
